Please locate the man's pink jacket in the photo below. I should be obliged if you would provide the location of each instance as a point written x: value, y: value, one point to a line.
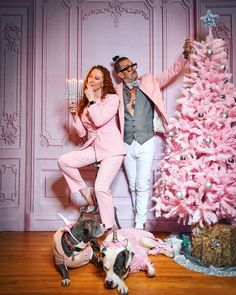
x: 152, y: 86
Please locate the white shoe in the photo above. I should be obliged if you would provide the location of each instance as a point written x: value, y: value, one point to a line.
x: 140, y: 226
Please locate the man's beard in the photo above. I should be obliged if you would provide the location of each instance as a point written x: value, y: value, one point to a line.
x: 132, y: 79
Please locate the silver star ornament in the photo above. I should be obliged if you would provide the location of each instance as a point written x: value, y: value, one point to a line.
x: 209, y: 19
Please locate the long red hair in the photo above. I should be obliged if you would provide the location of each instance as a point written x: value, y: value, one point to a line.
x: 108, y: 87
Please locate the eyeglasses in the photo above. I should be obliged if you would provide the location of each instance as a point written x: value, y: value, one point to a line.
x: 129, y: 68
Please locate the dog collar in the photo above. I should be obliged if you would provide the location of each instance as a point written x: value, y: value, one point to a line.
x: 69, y: 244
x: 67, y: 228
x: 79, y: 246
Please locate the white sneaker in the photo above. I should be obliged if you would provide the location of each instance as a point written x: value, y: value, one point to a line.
x: 140, y: 226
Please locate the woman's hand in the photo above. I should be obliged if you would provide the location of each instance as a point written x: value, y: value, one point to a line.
x: 73, y: 109
x: 89, y: 92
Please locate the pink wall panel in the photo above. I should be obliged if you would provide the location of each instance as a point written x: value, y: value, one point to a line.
x: 11, y: 70
x: 177, y: 25
x: 14, y: 46
x: 124, y: 29
x: 53, y: 57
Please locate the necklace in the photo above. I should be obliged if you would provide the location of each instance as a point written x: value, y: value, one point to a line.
x: 133, y: 104
x: 129, y: 100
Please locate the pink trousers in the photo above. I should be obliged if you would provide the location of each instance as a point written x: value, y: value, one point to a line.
x: 69, y: 164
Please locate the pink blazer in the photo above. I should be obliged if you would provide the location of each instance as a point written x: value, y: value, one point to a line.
x: 152, y: 86
x: 101, y: 129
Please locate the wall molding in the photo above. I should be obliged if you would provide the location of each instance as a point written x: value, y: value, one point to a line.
x: 116, y: 8
x: 9, y: 174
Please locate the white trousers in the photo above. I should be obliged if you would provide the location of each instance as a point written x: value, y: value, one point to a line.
x: 138, y: 166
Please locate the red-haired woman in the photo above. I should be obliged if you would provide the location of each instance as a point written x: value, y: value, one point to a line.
x: 96, y: 120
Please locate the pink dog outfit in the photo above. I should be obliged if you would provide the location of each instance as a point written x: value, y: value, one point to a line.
x: 140, y: 259
x: 80, y: 259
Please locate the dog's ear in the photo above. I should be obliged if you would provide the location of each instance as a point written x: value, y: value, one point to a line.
x: 101, y: 256
x: 103, y: 247
x: 125, y: 243
x: 122, y: 263
x: 128, y: 258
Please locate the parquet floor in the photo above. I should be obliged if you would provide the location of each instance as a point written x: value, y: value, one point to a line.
x: 26, y: 267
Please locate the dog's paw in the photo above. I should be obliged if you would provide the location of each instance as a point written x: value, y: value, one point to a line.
x: 167, y: 253
x: 65, y: 282
x: 123, y: 289
x: 151, y: 271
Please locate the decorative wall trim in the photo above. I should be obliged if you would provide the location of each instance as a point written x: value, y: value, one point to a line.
x: 115, y: 8
x: 12, y: 39
x: 223, y: 32
x: 141, y: 9
x: 9, y: 132
x: 47, y: 138
x: 12, y: 33
x: 7, y: 171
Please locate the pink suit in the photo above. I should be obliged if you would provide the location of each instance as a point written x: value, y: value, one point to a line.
x: 104, y: 144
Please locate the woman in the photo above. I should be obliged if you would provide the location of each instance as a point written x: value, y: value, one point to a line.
x: 96, y: 119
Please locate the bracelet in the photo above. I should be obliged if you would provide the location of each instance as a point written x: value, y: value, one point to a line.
x: 186, y: 54
x: 92, y: 102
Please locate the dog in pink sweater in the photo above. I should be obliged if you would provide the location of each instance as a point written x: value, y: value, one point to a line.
x: 72, y: 245
x: 126, y: 251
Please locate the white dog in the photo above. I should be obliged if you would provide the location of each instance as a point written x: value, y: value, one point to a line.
x: 126, y: 251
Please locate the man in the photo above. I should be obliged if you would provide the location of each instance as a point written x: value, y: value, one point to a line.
x: 142, y: 114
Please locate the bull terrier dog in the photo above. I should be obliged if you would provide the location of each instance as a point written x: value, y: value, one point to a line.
x: 126, y: 251
x: 72, y: 245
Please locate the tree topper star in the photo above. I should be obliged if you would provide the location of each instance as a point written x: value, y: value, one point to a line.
x: 209, y: 19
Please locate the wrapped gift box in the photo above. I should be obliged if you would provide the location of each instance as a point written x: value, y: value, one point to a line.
x: 197, y: 240
x: 215, y: 244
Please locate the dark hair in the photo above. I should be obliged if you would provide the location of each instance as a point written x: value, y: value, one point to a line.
x: 107, y: 87
x: 117, y: 60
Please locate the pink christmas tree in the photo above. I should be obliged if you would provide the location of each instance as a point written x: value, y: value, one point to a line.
x: 197, y: 176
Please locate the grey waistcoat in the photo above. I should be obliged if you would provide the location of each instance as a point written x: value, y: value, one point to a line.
x: 139, y: 127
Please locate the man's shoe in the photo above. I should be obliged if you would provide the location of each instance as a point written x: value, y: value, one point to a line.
x: 90, y: 209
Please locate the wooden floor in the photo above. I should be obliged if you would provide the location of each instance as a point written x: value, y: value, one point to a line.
x: 26, y: 267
